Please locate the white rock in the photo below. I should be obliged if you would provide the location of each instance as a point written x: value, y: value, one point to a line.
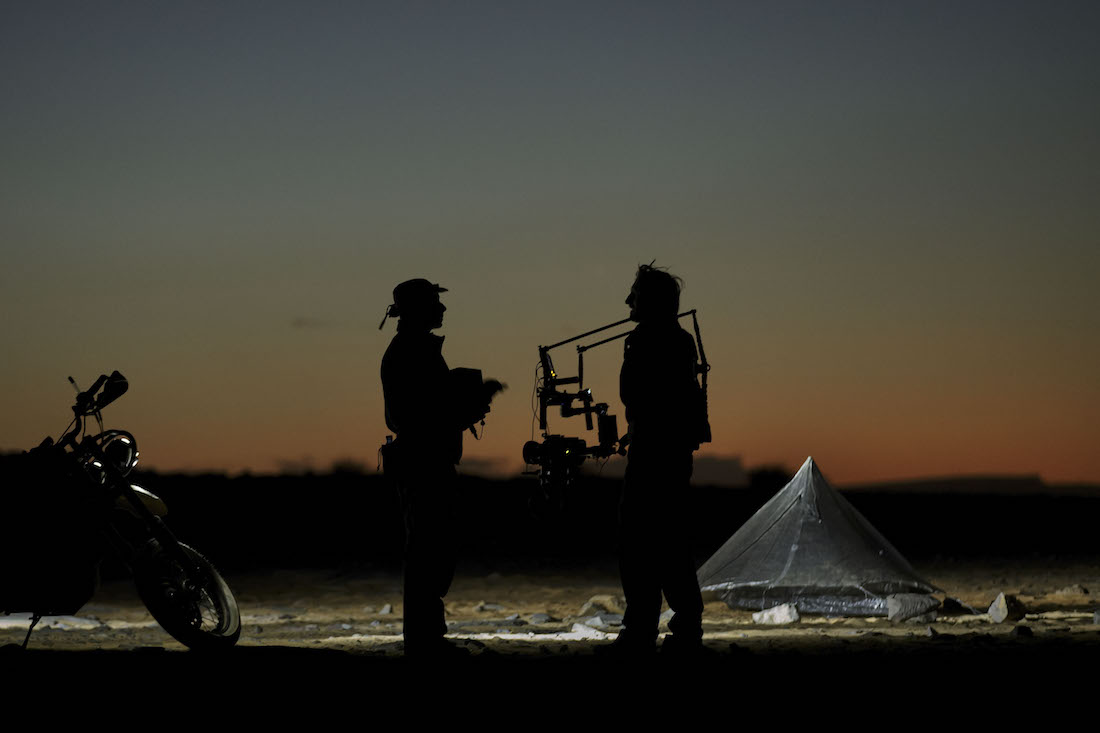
x: 580, y: 631
x: 777, y: 615
x: 1006, y: 608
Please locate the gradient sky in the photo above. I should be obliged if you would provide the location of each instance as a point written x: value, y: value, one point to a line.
x: 886, y: 213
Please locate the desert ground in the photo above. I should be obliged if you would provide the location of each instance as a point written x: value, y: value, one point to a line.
x: 354, y: 617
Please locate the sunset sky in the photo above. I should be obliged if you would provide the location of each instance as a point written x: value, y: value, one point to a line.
x: 887, y: 214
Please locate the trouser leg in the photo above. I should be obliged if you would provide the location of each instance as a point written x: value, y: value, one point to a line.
x: 656, y: 522
x: 429, y: 552
x: 678, y: 578
x: 639, y: 553
x: 682, y: 593
x: 638, y: 572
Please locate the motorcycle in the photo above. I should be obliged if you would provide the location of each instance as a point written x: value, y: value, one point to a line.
x: 69, y: 503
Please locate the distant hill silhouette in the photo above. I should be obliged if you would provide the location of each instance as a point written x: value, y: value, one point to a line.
x: 729, y: 472
x: 726, y: 471
x: 349, y: 517
x: 1028, y: 485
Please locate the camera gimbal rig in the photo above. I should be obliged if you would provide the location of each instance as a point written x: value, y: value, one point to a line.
x: 559, y: 457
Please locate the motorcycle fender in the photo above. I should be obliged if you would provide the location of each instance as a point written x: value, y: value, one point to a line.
x: 151, y: 501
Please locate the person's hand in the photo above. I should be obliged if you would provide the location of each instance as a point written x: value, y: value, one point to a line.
x: 624, y: 442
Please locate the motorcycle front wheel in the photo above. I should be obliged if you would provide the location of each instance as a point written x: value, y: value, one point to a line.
x: 191, y: 601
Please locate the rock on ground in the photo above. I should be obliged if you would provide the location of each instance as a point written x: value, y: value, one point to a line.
x: 603, y: 604
x: 1072, y: 590
x: 902, y: 606
x: 777, y: 615
x: 1006, y: 608
x: 604, y: 621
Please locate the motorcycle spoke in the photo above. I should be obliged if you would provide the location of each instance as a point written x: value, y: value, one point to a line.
x: 210, y: 613
x: 192, y: 602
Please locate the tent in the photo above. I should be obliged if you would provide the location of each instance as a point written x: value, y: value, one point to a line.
x: 808, y: 546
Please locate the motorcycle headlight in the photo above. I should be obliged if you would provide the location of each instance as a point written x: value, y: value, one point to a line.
x: 122, y: 452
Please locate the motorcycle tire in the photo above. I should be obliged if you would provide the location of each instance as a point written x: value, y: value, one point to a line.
x: 193, y: 604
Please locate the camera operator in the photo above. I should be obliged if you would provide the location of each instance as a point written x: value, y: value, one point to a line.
x: 428, y: 408
x: 665, y: 417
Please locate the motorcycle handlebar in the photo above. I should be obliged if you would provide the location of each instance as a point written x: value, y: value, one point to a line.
x: 88, y: 395
x: 113, y: 386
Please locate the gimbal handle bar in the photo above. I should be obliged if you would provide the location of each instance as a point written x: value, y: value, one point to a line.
x: 544, y: 357
x: 584, y: 335
x: 582, y: 349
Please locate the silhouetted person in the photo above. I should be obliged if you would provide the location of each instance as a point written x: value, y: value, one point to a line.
x: 664, y: 411
x: 428, y: 406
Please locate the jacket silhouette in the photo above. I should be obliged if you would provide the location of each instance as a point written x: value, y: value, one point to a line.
x: 658, y: 387
x: 421, y: 407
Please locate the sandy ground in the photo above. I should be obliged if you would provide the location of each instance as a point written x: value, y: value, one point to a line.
x: 324, y: 648
x: 546, y: 617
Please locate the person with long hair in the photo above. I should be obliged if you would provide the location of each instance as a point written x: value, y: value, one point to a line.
x: 659, y: 389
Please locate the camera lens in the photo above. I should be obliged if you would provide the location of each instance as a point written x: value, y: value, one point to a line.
x: 532, y: 452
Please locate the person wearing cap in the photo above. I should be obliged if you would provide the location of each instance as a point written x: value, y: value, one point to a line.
x: 428, y: 409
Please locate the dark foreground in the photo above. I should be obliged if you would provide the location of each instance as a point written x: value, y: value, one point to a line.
x: 970, y: 679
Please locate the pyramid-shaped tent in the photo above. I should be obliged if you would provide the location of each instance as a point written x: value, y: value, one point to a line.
x: 810, y: 547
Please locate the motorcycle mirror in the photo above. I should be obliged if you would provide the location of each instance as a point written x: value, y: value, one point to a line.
x: 116, y: 387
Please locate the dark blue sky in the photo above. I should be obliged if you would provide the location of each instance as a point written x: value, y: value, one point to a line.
x: 872, y: 204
